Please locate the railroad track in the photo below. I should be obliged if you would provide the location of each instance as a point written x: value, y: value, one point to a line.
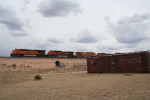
x: 42, y: 58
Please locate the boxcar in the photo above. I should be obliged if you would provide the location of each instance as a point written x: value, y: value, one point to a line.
x: 136, y: 62
x: 27, y: 52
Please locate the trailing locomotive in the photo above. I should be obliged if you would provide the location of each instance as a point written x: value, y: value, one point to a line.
x: 53, y: 54
x: 56, y: 54
x: 27, y: 52
x: 85, y: 54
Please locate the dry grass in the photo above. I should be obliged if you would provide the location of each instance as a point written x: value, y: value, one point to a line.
x: 71, y: 83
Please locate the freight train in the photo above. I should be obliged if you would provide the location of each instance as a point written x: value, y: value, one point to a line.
x: 53, y: 54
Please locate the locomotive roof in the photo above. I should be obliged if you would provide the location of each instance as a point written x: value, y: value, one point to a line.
x: 30, y: 50
x: 60, y: 51
x: 85, y: 52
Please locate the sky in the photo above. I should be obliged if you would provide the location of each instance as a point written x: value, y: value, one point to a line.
x: 100, y: 26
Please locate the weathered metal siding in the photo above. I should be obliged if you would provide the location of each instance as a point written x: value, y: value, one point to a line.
x: 124, y: 63
x: 136, y: 63
x: 113, y: 64
x: 92, y: 64
x: 133, y: 62
x: 103, y: 64
x: 146, y: 62
x: 97, y: 65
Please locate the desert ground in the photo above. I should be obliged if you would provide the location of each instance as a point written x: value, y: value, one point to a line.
x: 70, y: 81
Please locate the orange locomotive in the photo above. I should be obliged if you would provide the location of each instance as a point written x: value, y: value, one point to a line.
x: 101, y: 54
x: 27, y: 52
x: 68, y: 54
x: 85, y: 54
x: 55, y: 54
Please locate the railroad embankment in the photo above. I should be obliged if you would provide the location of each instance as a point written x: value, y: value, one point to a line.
x: 26, y: 63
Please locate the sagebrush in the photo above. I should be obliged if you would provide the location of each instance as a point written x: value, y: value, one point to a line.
x: 37, y: 77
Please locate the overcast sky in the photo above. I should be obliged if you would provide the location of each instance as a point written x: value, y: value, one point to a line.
x: 75, y: 25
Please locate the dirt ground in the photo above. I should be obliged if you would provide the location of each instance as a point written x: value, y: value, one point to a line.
x: 67, y: 82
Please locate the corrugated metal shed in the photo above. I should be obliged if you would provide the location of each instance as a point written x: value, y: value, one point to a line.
x: 136, y: 62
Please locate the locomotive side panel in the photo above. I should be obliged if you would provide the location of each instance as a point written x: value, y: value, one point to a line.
x: 27, y: 52
x: 101, y: 54
x: 52, y: 53
x: 85, y: 54
x: 67, y: 54
x: 92, y: 54
x: 79, y: 54
x: 60, y: 54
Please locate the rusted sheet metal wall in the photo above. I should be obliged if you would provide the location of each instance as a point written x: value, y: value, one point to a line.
x: 92, y: 64
x: 113, y: 64
x: 130, y: 63
x: 103, y: 64
x: 148, y: 63
x: 134, y: 62
x: 124, y: 63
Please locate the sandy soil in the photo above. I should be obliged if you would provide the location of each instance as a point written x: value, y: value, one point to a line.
x: 69, y: 82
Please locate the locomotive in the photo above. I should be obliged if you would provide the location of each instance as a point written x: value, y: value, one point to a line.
x: 27, y: 52
x: 53, y: 54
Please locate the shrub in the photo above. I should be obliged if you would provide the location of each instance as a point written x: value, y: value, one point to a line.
x: 37, y: 77
x: 57, y: 63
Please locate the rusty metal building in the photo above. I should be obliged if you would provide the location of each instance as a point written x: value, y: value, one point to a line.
x: 136, y: 62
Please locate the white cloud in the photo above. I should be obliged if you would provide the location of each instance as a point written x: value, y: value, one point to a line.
x: 54, y: 40
x: 53, y: 8
x: 18, y: 33
x: 8, y: 17
x: 45, y: 43
x: 23, y: 7
x: 85, y: 37
x: 129, y: 30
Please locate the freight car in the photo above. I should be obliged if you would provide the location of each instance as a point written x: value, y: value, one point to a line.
x: 56, y: 54
x: 27, y: 52
x: 135, y: 62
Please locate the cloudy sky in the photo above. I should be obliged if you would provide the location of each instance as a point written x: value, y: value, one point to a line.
x: 75, y: 25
